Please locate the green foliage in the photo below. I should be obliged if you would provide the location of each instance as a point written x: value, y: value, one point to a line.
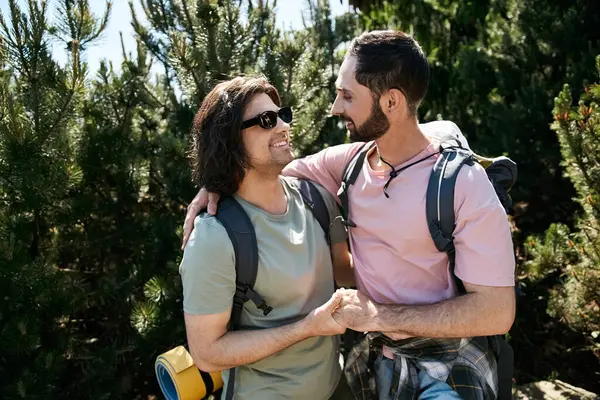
x: 38, y: 175
x: 577, y: 256
x: 201, y: 43
x: 561, y: 270
x: 551, y: 252
x: 496, y: 66
x: 95, y: 178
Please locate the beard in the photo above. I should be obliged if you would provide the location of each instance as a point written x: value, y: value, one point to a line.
x: 373, y: 128
x: 274, y: 163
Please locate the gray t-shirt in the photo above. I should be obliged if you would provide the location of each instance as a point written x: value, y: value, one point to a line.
x: 294, y: 276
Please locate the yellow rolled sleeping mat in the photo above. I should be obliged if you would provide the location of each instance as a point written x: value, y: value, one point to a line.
x: 180, y: 379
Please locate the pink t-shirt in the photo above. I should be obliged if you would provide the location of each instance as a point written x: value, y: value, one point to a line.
x: 394, y: 255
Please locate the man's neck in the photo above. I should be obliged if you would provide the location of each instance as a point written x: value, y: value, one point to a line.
x: 401, y: 143
x: 264, y: 192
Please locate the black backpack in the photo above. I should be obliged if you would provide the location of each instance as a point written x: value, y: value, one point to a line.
x: 439, y: 208
x: 236, y: 222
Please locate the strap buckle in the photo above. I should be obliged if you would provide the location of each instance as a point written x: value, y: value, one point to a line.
x: 250, y: 294
x: 442, y: 243
x: 265, y: 308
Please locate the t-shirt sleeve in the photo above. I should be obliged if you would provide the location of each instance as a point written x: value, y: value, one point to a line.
x: 482, y: 237
x: 208, y: 268
x: 337, y: 230
x: 325, y: 167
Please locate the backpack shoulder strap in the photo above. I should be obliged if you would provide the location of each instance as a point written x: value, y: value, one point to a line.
x: 439, y: 208
x: 352, y: 169
x: 315, y: 202
x: 439, y: 201
x: 243, y: 237
x: 349, y: 176
x: 241, y: 232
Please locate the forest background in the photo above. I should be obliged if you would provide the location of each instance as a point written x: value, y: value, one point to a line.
x: 94, y: 174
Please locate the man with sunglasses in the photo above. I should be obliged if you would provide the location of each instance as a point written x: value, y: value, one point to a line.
x: 240, y: 144
x: 406, y: 289
x: 268, y: 119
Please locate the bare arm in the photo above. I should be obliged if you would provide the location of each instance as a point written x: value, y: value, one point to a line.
x: 343, y: 269
x: 213, y: 348
x: 484, y: 310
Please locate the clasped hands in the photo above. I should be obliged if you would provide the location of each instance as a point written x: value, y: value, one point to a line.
x: 350, y: 308
x: 355, y: 310
x: 347, y: 308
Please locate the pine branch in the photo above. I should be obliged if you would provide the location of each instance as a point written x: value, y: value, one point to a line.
x: 37, y: 25
x: 164, y: 14
x: 77, y: 271
x: 189, y: 23
x: 151, y: 93
x: 160, y: 183
x: 578, y: 156
x: 154, y: 48
x: 103, y: 23
x: 113, y: 104
x: 43, y: 136
x: 82, y: 10
x: 66, y: 12
x: 14, y: 40
x: 80, y: 25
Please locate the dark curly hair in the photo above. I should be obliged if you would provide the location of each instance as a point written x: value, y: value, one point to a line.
x: 219, y: 159
x: 391, y: 59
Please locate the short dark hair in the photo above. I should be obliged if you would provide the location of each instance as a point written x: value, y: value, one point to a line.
x: 391, y: 60
x: 219, y: 159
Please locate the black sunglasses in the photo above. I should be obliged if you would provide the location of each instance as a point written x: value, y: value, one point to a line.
x: 268, y: 119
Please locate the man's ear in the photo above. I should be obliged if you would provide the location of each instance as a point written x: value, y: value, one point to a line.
x: 393, y: 101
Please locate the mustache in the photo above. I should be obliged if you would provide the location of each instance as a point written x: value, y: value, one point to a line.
x: 346, y: 118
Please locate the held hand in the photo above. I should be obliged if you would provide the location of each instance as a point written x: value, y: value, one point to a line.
x: 320, y: 321
x: 199, y: 203
x: 356, y: 311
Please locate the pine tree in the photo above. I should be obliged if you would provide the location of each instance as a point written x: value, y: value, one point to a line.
x: 576, y: 255
x: 201, y: 43
x: 124, y: 233
x: 39, y: 110
x: 495, y: 67
x: 95, y: 178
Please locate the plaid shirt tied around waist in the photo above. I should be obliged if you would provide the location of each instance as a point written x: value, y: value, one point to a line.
x: 467, y: 365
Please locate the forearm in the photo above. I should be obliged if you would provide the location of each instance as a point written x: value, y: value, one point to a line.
x: 473, y: 314
x: 248, y: 346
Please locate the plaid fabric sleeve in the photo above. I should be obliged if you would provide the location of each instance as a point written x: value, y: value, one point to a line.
x: 359, y: 369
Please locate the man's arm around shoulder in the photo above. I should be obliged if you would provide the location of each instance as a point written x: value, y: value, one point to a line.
x: 325, y: 167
